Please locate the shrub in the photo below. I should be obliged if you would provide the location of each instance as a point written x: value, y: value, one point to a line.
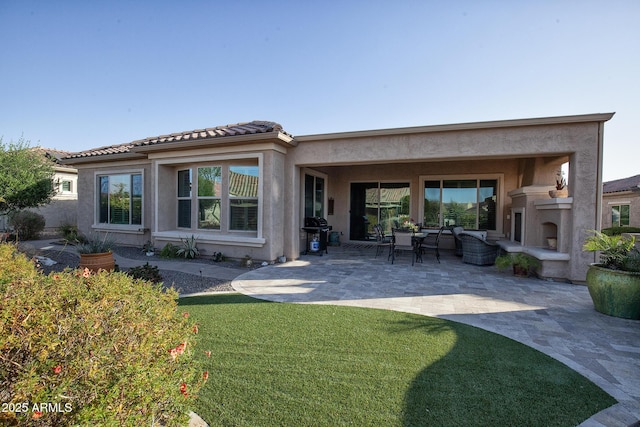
x: 27, y: 224
x: 169, y: 251
x: 147, y: 272
x: 69, y: 232
x: 617, y: 231
x: 107, y: 349
x: 632, y: 261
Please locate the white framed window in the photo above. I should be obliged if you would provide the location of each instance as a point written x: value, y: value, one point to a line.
x: 184, y: 198
x: 243, y: 198
x: 620, y: 215
x: 224, y: 197
x: 209, y: 197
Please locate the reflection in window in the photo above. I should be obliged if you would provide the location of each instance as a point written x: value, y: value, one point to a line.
x: 184, y: 198
x: 620, y: 215
x: 469, y: 203
x: 120, y: 199
x: 243, y: 198
x: 209, y: 191
x: 313, y: 196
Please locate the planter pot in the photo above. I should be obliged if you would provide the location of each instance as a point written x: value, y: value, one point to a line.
x: 150, y: 253
x: 559, y: 193
x: 520, y: 271
x: 615, y: 293
x: 97, y: 262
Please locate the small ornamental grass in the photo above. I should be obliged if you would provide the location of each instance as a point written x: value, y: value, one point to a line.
x: 92, y: 349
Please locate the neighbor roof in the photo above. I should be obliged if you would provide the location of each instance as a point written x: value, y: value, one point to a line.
x: 624, y: 184
x: 248, y: 128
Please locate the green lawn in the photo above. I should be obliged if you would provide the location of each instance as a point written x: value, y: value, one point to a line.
x: 313, y: 365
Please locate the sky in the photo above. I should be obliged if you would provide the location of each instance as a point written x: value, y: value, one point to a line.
x: 76, y: 75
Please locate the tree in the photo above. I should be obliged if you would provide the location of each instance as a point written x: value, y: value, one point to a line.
x: 25, y: 177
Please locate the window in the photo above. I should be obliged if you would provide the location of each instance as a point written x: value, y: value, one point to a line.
x: 233, y: 187
x: 243, y: 198
x: 184, y: 198
x: 313, y: 196
x: 209, y: 191
x: 66, y: 186
x: 120, y: 199
x: 620, y: 215
x: 470, y: 203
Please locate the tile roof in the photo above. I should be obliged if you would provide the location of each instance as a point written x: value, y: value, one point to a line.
x: 52, y: 153
x: 624, y: 184
x: 247, y: 128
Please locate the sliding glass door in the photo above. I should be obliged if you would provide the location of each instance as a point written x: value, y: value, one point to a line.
x: 384, y: 203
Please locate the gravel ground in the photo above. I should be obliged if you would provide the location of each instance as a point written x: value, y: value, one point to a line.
x: 182, y: 282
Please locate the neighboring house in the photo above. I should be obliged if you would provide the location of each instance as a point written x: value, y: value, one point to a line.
x: 245, y: 189
x: 63, y: 207
x: 62, y: 210
x: 621, y: 202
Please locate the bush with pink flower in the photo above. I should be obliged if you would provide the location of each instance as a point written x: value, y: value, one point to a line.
x: 92, y: 349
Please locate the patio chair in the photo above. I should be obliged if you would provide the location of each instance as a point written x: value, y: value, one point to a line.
x: 431, y: 242
x: 477, y: 251
x: 455, y: 231
x: 382, y: 241
x: 402, y: 241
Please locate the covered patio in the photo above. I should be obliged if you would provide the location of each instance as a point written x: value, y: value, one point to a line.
x: 555, y: 318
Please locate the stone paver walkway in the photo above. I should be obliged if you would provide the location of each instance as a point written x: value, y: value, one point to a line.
x: 555, y: 318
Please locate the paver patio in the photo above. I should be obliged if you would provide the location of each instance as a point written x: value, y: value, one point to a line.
x: 556, y: 318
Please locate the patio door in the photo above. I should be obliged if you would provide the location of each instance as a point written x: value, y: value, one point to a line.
x: 384, y: 203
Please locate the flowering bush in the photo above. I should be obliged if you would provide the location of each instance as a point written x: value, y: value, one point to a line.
x: 78, y: 348
x: 410, y: 225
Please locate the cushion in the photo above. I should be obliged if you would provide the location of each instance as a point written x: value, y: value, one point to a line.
x: 482, y: 235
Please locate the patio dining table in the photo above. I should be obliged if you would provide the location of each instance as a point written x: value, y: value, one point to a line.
x: 417, y: 239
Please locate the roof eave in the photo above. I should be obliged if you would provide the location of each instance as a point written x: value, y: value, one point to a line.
x: 220, y: 141
x: 113, y: 157
x: 584, y: 118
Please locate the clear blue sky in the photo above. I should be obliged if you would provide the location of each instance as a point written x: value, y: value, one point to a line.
x: 82, y: 74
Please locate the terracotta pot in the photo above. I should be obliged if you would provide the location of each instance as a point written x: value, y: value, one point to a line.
x: 614, y: 292
x: 97, y: 262
x: 520, y: 271
x: 559, y: 193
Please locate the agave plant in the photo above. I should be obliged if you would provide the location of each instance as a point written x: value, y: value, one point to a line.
x: 189, y: 248
x: 96, y: 244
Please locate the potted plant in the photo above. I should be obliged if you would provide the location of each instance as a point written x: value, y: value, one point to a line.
x: 614, y: 282
x: 148, y: 248
x: 95, y: 253
x: 561, y: 187
x: 523, y: 265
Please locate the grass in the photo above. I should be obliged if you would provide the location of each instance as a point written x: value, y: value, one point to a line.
x: 303, y: 365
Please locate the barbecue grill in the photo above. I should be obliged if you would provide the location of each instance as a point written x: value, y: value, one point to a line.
x: 316, y: 226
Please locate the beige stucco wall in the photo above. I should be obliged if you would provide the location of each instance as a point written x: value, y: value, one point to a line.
x: 160, y: 206
x: 87, y: 223
x: 525, y: 156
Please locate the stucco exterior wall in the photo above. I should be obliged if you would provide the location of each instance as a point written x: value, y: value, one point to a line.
x: 525, y: 156
x: 87, y: 186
